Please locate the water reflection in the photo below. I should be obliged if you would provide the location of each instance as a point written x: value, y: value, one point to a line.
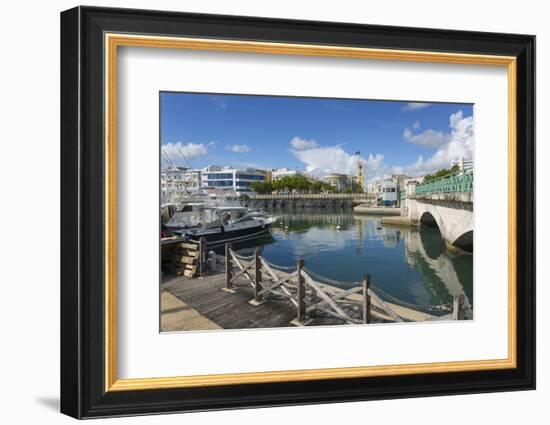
x: 411, y: 264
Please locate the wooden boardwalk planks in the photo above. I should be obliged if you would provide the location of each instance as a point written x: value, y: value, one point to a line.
x: 232, y: 310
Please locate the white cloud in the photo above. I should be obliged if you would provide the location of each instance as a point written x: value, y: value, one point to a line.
x: 300, y: 144
x: 460, y: 144
x: 414, y: 106
x: 321, y: 161
x: 428, y: 138
x: 416, y: 125
x: 238, y: 148
x: 181, y: 152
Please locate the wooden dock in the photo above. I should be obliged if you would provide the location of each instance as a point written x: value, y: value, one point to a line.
x: 206, y: 303
x: 228, y: 310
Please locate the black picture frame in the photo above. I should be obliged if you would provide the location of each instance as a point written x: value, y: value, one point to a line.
x: 83, y: 392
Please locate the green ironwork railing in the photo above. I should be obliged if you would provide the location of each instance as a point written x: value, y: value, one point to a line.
x: 458, y: 182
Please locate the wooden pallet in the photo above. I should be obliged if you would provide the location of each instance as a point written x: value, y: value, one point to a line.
x: 183, y: 258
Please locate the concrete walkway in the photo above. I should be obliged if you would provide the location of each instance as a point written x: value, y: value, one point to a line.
x: 363, y: 209
x: 397, y: 221
x: 175, y: 315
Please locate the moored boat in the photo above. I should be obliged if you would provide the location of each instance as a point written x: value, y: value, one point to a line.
x: 228, y: 224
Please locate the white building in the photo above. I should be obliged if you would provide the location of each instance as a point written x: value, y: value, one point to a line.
x: 180, y: 178
x: 214, y: 177
x: 172, y: 180
x: 175, y: 181
x: 339, y: 181
x: 279, y: 173
x: 373, y: 187
x: 463, y: 164
x: 388, y: 193
x: 400, y: 179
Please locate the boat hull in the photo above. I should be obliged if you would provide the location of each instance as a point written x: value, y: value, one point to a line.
x: 220, y: 237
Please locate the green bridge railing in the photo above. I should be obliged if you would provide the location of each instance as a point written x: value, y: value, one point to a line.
x: 462, y: 181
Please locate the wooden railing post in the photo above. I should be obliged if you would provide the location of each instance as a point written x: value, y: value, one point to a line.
x: 202, y: 256
x: 301, y: 293
x: 228, y: 266
x: 458, y: 307
x: 366, y: 299
x: 257, y: 275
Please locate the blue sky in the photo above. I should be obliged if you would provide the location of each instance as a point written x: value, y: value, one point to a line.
x: 318, y: 135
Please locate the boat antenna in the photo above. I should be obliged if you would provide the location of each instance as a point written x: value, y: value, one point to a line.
x: 167, y: 159
x: 183, y: 156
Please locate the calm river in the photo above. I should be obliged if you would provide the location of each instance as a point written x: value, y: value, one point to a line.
x: 410, y: 264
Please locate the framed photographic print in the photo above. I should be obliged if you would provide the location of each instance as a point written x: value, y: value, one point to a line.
x: 261, y: 212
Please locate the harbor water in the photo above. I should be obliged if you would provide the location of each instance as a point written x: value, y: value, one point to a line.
x: 410, y: 264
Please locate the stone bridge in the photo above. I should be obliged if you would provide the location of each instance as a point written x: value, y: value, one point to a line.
x: 446, y: 203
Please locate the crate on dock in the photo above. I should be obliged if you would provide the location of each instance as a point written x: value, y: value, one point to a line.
x: 187, y: 270
x: 186, y: 252
x: 185, y: 259
x: 188, y: 245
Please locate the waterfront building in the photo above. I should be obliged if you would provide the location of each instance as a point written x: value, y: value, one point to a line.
x: 388, y: 194
x: 175, y: 181
x: 192, y: 179
x: 279, y: 173
x: 180, y: 179
x: 372, y: 187
x: 400, y: 179
x: 463, y: 164
x: 227, y: 178
x: 339, y: 181
x: 268, y: 174
x: 172, y: 179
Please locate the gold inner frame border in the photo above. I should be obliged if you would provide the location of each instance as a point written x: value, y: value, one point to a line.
x: 112, y: 41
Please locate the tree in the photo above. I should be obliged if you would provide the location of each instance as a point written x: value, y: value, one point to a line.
x: 356, y: 187
x: 262, y: 187
x: 293, y: 183
x: 441, y: 173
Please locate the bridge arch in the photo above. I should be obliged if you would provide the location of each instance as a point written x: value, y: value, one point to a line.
x: 465, y: 241
x: 461, y: 233
x: 455, y: 222
x: 428, y: 219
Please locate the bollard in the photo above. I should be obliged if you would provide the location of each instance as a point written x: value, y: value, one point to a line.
x: 458, y: 307
x: 366, y: 299
x: 301, y: 293
x: 202, y: 256
x: 257, y: 275
x: 228, y: 267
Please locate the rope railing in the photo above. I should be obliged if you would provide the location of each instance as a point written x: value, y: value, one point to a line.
x: 279, y: 267
x: 328, y: 280
x: 427, y: 308
x: 302, y: 285
x: 243, y: 257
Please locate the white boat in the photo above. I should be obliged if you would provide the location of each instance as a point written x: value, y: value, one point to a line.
x: 228, y: 224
